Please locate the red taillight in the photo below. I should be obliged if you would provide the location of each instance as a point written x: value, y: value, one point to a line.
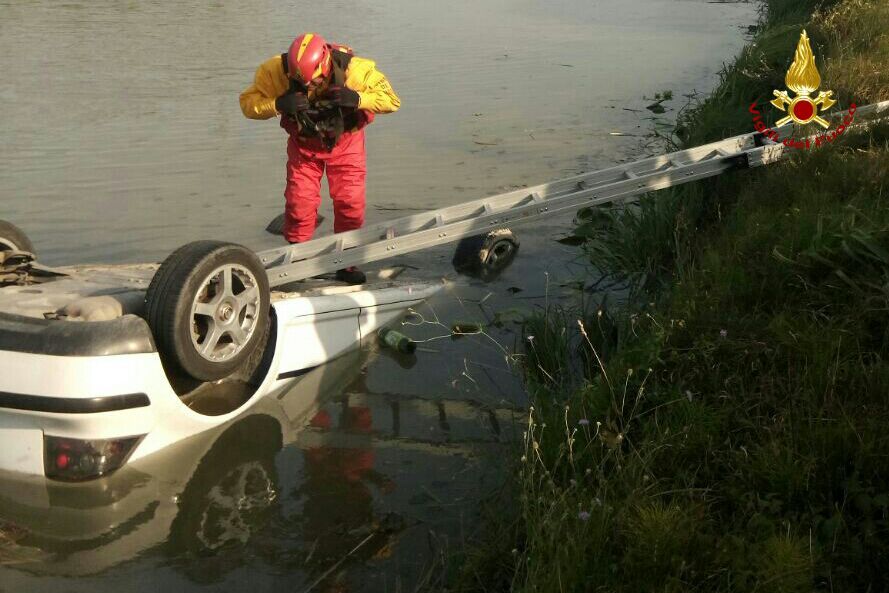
x: 75, y: 460
x: 62, y: 460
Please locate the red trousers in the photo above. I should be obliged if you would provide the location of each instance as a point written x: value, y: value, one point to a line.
x: 346, y: 170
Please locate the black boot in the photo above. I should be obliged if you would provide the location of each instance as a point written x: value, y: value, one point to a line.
x: 351, y: 275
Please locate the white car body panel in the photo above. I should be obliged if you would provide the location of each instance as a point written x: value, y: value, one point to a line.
x: 311, y: 329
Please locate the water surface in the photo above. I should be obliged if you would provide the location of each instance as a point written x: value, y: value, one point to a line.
x: 123, y: 138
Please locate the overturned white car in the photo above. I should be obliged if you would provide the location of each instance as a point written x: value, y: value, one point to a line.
x: 103, y: 364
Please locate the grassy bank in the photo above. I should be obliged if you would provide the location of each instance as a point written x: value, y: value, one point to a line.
x: 728, y: 430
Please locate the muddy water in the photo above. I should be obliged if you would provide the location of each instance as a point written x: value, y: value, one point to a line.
x: 122, y: 138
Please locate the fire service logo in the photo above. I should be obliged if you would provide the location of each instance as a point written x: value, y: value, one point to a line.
x: 802, y: 79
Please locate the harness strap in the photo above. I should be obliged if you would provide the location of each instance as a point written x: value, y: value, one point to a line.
x: 325, y: 121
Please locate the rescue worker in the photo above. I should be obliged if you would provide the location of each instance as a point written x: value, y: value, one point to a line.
x: 325, y: 96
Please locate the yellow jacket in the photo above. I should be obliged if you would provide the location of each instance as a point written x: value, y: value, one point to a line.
x: 270, y: 82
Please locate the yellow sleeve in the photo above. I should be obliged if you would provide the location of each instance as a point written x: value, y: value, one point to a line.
x: 374, y: 91
x: 269, y: 83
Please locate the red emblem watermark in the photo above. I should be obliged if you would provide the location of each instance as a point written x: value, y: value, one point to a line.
x: 805, y: 143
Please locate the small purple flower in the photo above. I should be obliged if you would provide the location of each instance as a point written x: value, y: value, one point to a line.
x: 723, y: 333
x: 584, y: 515
x: 583, y: 422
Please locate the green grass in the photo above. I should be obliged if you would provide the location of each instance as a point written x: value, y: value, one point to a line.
x: 727, y: 429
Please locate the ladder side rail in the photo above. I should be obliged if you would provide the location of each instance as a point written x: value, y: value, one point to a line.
x: 416, y: 222
x: 388, y: 231
x: 620, y: 190
x: 640, y: 167
x: 298, y: 251
x: 743, y: 142
x: 397, y: 228
x: 457, y: 211
x: 877, y: 110
x: 771, y: 153
x: 864, y: 116
x: 408, y: 223
x: 736, y: 145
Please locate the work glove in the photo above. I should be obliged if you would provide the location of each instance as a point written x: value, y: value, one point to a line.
x: 342, y: 97
x: 292, y: 103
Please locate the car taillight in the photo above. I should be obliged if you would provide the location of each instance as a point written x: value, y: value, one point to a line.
x: 75, y: 460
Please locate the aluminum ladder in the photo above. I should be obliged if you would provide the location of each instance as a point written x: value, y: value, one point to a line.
x: 436, y: 227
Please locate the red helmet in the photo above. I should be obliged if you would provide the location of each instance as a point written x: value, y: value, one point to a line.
x: 308, y: 58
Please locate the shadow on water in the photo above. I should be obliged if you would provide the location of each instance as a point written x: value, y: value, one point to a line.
x: 330, y: 484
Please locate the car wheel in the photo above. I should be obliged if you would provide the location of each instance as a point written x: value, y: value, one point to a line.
x: 486, y: 256
x: 208, y: 308
x: 12, y: 238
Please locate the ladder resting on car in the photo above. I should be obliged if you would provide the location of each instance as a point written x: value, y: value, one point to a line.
x: 436, y: 227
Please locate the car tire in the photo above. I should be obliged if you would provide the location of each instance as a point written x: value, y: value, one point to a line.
x: 208, y: 308
x: 486, y: 256
x: 12, y: 238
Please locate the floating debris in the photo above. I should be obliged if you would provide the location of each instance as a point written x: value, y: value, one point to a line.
x: 466, y: 327
x: 397, y: 341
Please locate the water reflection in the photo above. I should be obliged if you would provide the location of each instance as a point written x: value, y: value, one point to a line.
x: 320, y: 484
x: 229, y: 500
x: 337, y: 494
